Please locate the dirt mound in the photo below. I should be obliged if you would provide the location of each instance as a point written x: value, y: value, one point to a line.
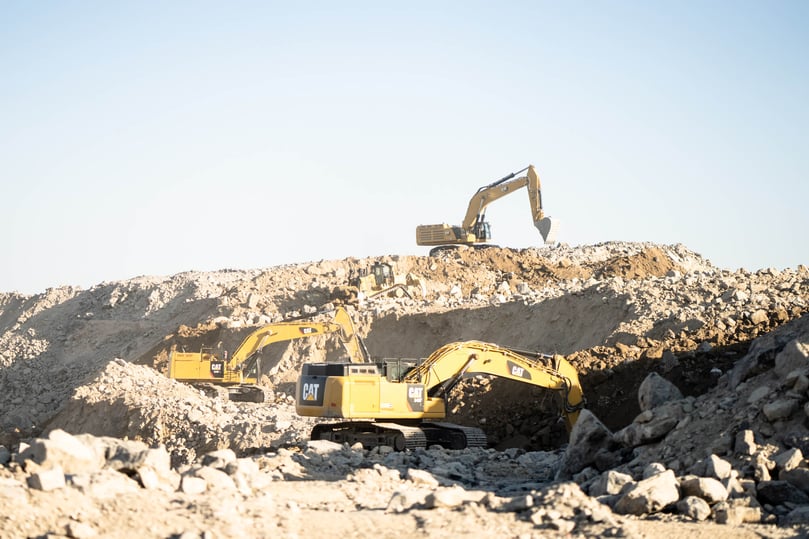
x: 650, y: 262
x: 94, y: 360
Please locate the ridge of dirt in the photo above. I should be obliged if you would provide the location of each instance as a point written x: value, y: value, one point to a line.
x: 94, y: 361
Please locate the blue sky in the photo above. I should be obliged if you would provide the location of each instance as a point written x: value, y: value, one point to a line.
x: 150, y: 138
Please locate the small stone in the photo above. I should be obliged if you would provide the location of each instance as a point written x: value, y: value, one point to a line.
x: 47, y: 480
x: 693, y: 507
x: 717, y: 467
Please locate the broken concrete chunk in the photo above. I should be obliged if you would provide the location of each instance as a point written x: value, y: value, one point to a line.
x: 193, y: 485
x: 421, y: 477
x: 653, y: 468
x: 797, y: 517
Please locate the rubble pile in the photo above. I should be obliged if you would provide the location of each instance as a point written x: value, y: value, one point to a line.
x: 696, y: 379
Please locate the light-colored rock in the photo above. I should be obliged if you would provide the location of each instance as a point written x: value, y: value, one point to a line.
x: 588, y: 436
x: 650, y: 495
x: 717, y: 467
x: 758, y: 394
x: 422, y: 477
x: 736, y: 512
x: 795, y: 355
x: 214, y: 479
x: 190, y: 484
x: 708, y: 488
x: 80, y: 530
x: 694, y: 508
x: 610, y: 482
x: 47, y: 479
x: 63, y: 450
x: 451, y: 497
x: 104, y: 484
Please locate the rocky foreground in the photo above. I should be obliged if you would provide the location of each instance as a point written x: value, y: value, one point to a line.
x: 697, y: 380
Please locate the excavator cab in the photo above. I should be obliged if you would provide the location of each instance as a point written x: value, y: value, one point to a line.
x: 382, y: 274
x: 482, y: 231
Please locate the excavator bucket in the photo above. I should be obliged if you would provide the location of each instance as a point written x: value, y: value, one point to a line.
x: 548, y: 227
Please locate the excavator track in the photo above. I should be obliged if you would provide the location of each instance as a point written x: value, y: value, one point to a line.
x: 401, y: 437
x: 371, y: 434
x: 452, y: 436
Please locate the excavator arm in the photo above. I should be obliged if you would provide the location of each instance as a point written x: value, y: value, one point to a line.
x: 450, y: 363
x: 287, y: 331
x: 475, y: 211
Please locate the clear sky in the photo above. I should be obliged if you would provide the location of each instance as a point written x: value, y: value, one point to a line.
x: 151, y: 138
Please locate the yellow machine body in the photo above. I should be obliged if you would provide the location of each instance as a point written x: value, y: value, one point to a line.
x: 408, y: 391
x: 475, y: 229
x: 242, y: 368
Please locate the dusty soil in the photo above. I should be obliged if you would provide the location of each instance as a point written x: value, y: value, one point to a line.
x: 93, y: 362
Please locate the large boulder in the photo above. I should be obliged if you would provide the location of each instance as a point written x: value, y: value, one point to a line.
x: 588, y: 439
x: 650, y: 495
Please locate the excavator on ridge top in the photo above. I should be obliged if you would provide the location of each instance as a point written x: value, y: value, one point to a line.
x: 237, y: 376
x: 395, y: 402
x: 475, y: 230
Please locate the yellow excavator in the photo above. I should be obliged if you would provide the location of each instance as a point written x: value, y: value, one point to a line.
x: 237, y: 376
x: 475, y: 230
x: 395, y: 402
